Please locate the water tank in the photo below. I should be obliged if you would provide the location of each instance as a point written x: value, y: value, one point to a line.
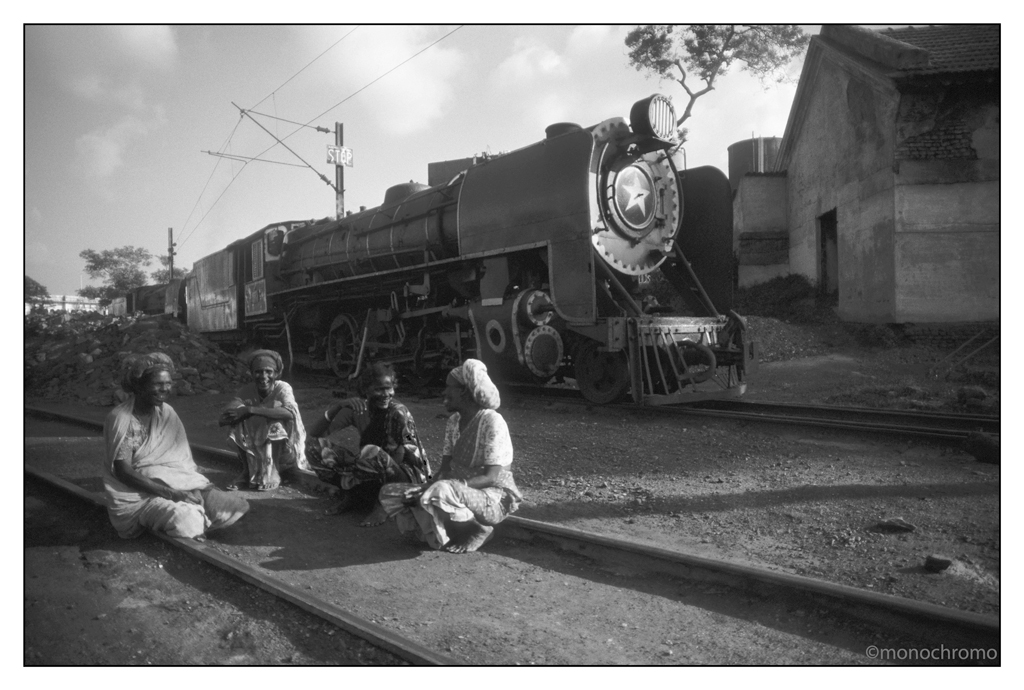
x: 752, y: 155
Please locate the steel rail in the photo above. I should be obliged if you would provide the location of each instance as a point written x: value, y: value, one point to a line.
x: 882, y: 609
x: 371, y: 632
x: 936, y: 426
x: 915, y: 617
x: 961, y: 423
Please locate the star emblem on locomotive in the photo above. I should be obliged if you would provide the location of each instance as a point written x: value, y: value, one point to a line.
x: 633, y: 190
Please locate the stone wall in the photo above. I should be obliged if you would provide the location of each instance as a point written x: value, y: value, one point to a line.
x: 841, y: 160
x: 947, y: 198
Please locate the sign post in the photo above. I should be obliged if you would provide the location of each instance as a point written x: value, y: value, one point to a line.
x: 339, y: 157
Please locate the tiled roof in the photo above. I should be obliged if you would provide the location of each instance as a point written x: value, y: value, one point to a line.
x: 952, y: 48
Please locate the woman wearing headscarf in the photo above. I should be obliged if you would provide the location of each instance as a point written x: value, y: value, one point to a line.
x: 474, y: 489
x: 266, y: 426
x: 149, y: 477
x: 389, y: 446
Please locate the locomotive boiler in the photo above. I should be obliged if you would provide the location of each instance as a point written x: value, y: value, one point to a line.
x: 540, y: 262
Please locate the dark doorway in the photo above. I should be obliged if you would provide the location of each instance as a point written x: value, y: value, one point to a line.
x: 828, y: 260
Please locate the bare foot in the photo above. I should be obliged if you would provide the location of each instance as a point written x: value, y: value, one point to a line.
x: 239, y: 482
x: 471, y: 542
x: 376, y: 517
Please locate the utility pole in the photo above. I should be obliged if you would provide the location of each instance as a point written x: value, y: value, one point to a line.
x: 170, y: 268
x: 170, y: 254
x: 339, y: 172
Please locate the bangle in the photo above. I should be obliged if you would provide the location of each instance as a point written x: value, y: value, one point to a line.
x: 329, y: 420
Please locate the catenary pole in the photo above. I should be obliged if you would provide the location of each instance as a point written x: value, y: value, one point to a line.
x: 339, y: 172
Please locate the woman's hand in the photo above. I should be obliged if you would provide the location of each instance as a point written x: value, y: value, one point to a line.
x: 193, y: 496
x: 234, y: 415
x: 357, y: 404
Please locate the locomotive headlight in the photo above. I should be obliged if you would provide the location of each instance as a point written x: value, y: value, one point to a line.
x: 653, y: 116
x: 633, y: 197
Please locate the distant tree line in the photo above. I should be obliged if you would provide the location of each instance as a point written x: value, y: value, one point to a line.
x: 121, y: 271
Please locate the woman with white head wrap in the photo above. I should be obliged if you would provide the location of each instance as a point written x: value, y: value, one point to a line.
x: 266, y: 427
x: 474, y: 489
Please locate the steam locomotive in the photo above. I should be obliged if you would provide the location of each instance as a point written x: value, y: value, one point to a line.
x: 540, y: 262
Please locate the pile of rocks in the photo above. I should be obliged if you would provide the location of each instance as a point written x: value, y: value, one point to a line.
x: 78, y: 357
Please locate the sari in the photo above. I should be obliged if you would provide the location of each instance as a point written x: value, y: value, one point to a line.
x: 381, y: 433
x: 485, y: 442
x: 268, y: 446
x: 160, y: 452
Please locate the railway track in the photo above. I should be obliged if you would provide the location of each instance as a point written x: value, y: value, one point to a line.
x: 929, y: 425
x: 771, y: 589
x: 936, y: 425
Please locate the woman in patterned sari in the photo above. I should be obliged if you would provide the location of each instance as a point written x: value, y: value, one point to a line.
x: 266, y: 426
x: 474, y: 489
x: 389, y: 447
x: 149, y: 477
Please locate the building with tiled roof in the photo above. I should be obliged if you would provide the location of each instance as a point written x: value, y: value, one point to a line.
x: 886, y: 184
x: 951, y: 49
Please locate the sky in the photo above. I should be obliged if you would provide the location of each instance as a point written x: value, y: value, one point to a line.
x: 120, y: 120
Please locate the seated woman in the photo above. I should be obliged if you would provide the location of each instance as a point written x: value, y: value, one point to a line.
x: 474, y: 489
x: 389, y: 447
x: 149, y: 477
x: 266, y: 426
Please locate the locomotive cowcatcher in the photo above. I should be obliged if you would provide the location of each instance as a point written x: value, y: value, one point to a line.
x: 541, y: 262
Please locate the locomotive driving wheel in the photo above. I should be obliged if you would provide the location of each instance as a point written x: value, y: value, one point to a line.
x: 602, y: 377
x: 343, y: 346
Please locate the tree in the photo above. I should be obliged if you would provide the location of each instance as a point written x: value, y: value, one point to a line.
x: 34, y: 290
x: 161, y: 276
x: 120, y: 269
x: 708, y: 50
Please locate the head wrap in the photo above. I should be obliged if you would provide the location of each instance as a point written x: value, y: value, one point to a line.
x: 473, y: 376
x: 266, y: 358
x: 136, y: 368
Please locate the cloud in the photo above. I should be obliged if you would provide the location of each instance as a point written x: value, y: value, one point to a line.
x: 147, y: 46
x: 528, y: 63
x: 36, y: 254
x: 101, y: 152
x: 409, y: 99
x: 591, y: 39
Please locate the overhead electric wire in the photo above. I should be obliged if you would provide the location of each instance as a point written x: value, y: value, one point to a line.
x: 307, y: 124
x: 291, y: 122
x: 307, y: 65
x: 249, y: 159
x: 205, y: 186
x: 387, y: 73
x: 223, y: 192
x: 322, y: 176
x: 364, y: 87
x: 230, y: 136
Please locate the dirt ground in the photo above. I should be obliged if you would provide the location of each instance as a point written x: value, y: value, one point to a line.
x: 797, y: 500
x: 92, y: 598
